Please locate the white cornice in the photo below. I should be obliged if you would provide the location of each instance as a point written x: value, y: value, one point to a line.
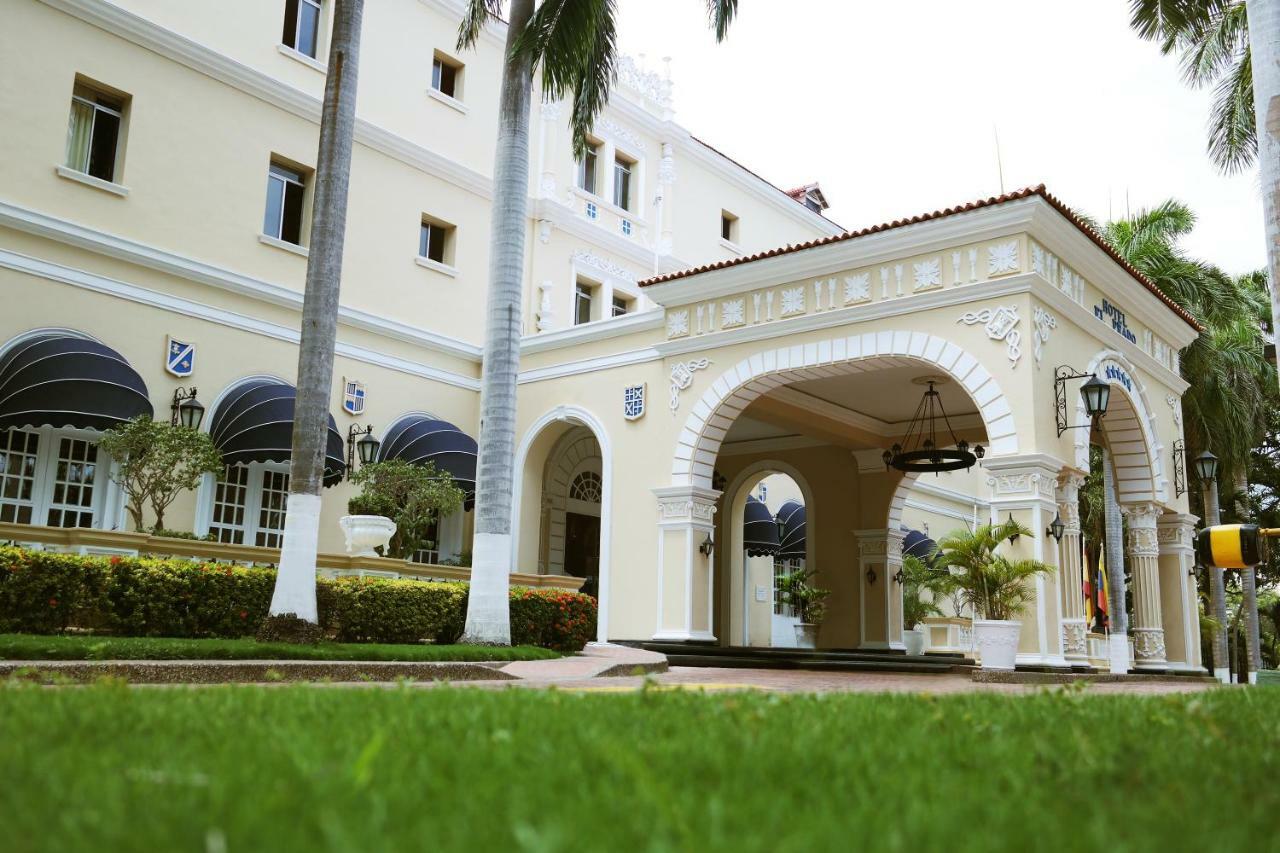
x: 611, y: 327
x: 564, y: 218
x: 189, y: 308
x: 50, y: 227
x: 920, y: 238
x: 589, y: 365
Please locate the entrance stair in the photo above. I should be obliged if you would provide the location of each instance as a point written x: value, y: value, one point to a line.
x: 838, y: 660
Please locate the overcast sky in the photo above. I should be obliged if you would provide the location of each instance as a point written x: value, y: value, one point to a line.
x: 892, y: 106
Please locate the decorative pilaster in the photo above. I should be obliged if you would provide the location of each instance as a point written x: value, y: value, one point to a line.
x: 1075, y: 630
x: 686, y: 520
x: 1179, y: 597
x: 666, y: 183
x: 879, y: 561
x: 548, y: 133
x: 1143, y: 553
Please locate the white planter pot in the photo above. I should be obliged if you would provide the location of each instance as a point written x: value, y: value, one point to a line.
x: 806, y: 636
x: 366, y: 532
x: 914, y: 641
x: 997, y: 642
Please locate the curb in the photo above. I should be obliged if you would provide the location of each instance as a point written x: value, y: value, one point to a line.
x: 987, y: 676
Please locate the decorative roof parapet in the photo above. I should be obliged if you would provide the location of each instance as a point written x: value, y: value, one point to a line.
x: 649, y: 85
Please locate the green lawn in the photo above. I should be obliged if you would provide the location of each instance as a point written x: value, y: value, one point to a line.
x: 37, y: 647
x: 321, y: 768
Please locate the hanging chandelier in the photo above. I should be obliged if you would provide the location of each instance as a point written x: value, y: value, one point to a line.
x: 921, y: 452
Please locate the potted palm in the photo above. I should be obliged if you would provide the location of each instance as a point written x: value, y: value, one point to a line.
x: 808, y: 602
x: 994, y: 586
x: 917, y: 577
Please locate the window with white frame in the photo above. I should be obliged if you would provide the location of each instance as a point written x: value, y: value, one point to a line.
x: 587, y: 166
x: 430, y: 552
x: 94, y: 131
x: 622, y: 304
x: 622, y: 167
x: 248, y: 506
x: 286, y: 193
x: 435, y: 240
x: 584, y: 297
x: 446, y: 76
x: 782, y: 567
x: 302, y: 26
x: 51, y: 476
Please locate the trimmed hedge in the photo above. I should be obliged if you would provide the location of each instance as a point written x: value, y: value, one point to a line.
x: 46, y: 593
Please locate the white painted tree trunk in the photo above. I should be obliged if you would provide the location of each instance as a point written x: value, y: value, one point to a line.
x: 295, y: 590
x: 488, y: 615
x: 1217, y: 591
x: 1264, y: 47
x: 1119, y: 619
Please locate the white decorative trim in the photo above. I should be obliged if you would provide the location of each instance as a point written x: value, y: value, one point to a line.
x: 586, y: 258
x: 436, y: 266
x: 610, y: 128
x: 90, y: 181
x: 793, y: 301
x: 927, y: 273
x: 857, y: 288
x: 277, y: 243
x: 678, y: 323
x: 733, y: 312
x: 1001, y: 324
x: 453, y: 103
x: 1175, y: 404
x: 1003, y: 258
x: 589, y: 365
x: 297, y: 56
x: 1042, y: 323
x: 682, y: 378
x: 221, y: 316
x: 596, y: 330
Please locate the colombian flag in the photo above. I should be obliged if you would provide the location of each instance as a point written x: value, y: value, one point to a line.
x: 1104, y: 593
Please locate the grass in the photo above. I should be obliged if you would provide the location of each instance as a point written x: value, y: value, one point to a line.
x: 83, y: 647
x: 314, y: 768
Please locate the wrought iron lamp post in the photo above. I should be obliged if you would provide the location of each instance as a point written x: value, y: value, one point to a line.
x: 362, y: 444
x: 1206, y: 468
x: 186, y: 411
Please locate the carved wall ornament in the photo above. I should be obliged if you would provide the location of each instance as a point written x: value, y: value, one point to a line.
x: 1176, y: 405
x: 817, y: 295
x: 1001, y: 324
x: 1022, y: 483
x: 1148, y: 644
x: 927, y: 273
x: 667, y: 165
x: 633, y: 401
x: 647, y: 84
x: 1002, y: 258
x: 682, y: 378
x: 585, y: 258
x: 792, y: 301
x: 857, y: 288
x: 897, y: 277
x: 1075, y: 639
x: 1042, y: 323
x: 733, y: 312
x: 677, y: 323
x: 606, y: 127
x: 955, y: 268
x: 685, y: 509
x: 973, y: 265
x: 884, y: 282
x: 755, y: 299
x: 1037, y: 259
x: 546, y: 311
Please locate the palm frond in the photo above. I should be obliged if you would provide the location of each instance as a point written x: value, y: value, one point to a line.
x: 476, y: 14
x: 720, y: 14
x: 1233, y: 135
x: 1169, y: 21
x: 1213, y: 49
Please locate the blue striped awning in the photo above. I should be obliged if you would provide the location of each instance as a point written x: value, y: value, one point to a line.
x: 419, y: 439
x: 791, y: 520
x: 254, y: 423
x: 759, y: 530
x: 61, y: 380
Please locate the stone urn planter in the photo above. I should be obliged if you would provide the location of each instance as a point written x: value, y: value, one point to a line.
x: 913, y: 639
x: 997, y: 642
x: 806, y: 636
x: 366, y: 532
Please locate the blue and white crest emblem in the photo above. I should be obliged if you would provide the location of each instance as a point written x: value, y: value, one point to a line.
x: 633, y: 401
x: 353, y: 397
x: 180, y: 357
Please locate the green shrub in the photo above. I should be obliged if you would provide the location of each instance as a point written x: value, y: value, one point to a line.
x: 46, y: 593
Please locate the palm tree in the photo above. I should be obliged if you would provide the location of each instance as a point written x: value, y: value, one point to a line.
x: 295, y: 590
x: 1234, y: 45
x: 573, y: 44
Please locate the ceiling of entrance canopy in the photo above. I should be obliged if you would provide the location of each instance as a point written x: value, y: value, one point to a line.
x: 886, y: 394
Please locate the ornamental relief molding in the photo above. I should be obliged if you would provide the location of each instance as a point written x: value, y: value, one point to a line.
x: 686, y: 509
x: 1026, y: 483
x: 1141, y: 542
x: 604, y: 265
x: 1001, y: 324
x: 1074, y: 638
x: 1148, y: 644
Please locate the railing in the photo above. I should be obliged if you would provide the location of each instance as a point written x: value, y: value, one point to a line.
x: 87, y: 541
x: 948, y: 634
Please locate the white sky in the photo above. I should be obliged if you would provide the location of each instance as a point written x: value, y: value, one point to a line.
x: 892, y: 107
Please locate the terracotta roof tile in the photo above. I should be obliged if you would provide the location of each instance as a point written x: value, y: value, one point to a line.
x: 939, y: 214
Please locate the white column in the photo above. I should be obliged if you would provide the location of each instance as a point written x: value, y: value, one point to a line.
x: 663, y: 213
x: 1143, y: 552
x: 1075, y: 630
x: 548, y: 134
x: 1025, y: 486
x: 685, y: 594
x: 1180, y: 602
x: 880, y: 615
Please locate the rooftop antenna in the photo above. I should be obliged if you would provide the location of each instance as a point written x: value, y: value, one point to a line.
x: 999, y: 165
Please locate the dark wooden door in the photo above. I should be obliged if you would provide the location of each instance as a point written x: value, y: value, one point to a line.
x: 582, y: 548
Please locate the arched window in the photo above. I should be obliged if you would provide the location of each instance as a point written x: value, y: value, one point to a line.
x: 586, y: 487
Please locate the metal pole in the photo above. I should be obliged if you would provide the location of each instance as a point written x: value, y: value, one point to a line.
x: 1217, y: 591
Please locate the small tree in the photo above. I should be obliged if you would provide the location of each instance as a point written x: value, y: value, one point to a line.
x: 413, y: 496
x: 807, y: 601
x: 992, y: 584
x: 918, y: 576
x: 155, y: 461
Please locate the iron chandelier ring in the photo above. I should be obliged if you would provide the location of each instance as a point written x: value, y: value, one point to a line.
x: 933, y: 460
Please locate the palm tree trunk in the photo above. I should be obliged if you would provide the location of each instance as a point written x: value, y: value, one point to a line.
x: 488, y: 619
x: 1264, y: 47
x: 1249, y: 585
x: 295, y: 590
x: 1217, y: 591
x: 1119, y: 645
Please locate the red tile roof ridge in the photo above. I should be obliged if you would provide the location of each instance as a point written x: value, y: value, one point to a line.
x: 1026, y: 192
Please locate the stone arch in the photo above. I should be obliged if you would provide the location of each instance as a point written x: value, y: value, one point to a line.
x: 573, y: 416
x: 899, y: 500
x: 756, y: 375
x: 1130, y: 428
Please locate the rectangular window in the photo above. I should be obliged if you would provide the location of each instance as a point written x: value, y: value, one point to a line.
x: 430, y: 552
x: 583, y: 296
x: 622, y: 182
x: 435, y: 241
x: 621, y: 305
x: 73, y: 484
x: 249, y: 504
x: 271, y: 507
x: 93, y: 132
x: 229, y: 500
x: 18, y: 452
x: 302, y: 26
x: 728, y: 226
x: 286, y: 190
x: 446, y: 76
x: 587, y: 168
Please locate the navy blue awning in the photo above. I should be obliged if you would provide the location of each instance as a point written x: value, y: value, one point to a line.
x: 791, y: 518
x: 60, y: 380
x: 919, y: 545
x: 759, y: 530
x: 419, y: 439
x: 254, y: 423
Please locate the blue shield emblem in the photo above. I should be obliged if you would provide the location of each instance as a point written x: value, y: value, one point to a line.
x: 353, y: 397
x: 180, y: 357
